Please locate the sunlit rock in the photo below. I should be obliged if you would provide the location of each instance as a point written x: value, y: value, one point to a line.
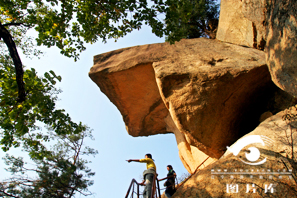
x: 206, y: 92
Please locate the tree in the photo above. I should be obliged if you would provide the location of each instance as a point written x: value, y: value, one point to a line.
x: 60, y: 169
x: 60, y: 172
x: 191, y: 19
x: 68, y: 24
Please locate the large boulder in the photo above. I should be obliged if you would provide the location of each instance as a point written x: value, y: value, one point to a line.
x: 214, y: 92
x: 242, y: 22
x: 233, y: 26
x: 281, y: 49
x: 206, y: 92
x: 254, y: 11
x: 127, y: 78
x: 232, y: 176
x: 269, y: 25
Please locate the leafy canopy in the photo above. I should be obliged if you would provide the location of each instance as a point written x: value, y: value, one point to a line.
x: 60, y: 172
x: 191, y: 19
x: 58, y: 169
x: 19, y: 120
x: 68, y: 24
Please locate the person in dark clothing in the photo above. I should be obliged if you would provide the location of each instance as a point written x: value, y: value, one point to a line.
x: 170, y: 182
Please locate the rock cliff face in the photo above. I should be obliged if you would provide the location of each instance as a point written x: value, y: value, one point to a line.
x: 210, y: 93
x: 242, y: 23
x: 206, y: 92
x: 265, y: 24
x: 233, y: 26
x: 232, y: 177
x: 281, y: 49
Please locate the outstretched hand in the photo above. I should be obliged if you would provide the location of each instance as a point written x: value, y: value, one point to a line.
x: 129, y: 160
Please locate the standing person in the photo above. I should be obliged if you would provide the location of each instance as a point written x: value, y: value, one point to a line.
x: 170, y: 184
x: 148, y: 174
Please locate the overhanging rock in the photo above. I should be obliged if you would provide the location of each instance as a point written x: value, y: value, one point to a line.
x: 212, y: 91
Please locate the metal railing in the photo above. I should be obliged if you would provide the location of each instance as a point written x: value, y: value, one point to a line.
x: 155, y: 188
x: 175, y: 183
x: 132, y: 186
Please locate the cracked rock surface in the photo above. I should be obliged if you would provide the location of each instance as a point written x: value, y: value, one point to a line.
x: 208, y: 93
x: 275, y: 177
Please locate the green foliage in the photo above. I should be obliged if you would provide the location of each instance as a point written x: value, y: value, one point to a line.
x: 68, y: 24
x: 60, y: 170
x: 57, y: 173
x: 19, y: 119
x: 191, y: 19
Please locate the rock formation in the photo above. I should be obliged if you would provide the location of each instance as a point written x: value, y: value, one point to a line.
x: 281, y: 49
x: 273, y: 178
x: 209, y: 93
x: 265, y: 24
x: 206, y: 92
x: 241, y: 23
x: 233, y: 26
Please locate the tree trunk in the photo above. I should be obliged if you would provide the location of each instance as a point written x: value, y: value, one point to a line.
x: 8, y: 40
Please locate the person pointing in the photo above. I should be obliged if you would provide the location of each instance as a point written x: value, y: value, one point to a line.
x: 148, y: 174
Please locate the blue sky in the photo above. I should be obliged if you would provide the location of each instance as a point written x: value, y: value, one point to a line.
x: 84, y: 101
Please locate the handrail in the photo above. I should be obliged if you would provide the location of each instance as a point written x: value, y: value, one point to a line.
x: 193, y: 172
x: 166, y: 177
x: 131, y: 184
x: 174, y: 184
x: 200, y: 165
x: 158, y: 186
x: 154, y: 188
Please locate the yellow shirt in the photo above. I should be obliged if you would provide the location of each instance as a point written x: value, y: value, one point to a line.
x: 149, y: 163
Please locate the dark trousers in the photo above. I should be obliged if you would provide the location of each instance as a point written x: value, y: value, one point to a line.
x: 148, y: 185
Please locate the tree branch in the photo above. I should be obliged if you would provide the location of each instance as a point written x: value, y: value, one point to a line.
x: 12, y: 23
x: 7, y: 194
x: 7, y: 38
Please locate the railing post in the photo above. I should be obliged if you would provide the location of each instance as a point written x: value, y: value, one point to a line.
x: 132, y: 183
x: 133, y: 190
x: 153, y: 187
x: 138, y: 191
x: 158, y: 185
x: 129, y: 189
